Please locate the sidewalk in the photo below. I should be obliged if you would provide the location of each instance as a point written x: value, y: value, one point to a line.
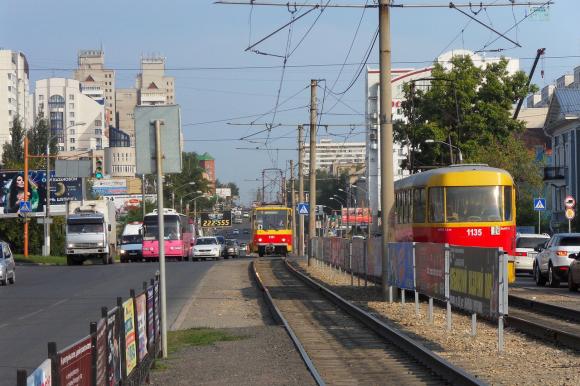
x: 227, y: 298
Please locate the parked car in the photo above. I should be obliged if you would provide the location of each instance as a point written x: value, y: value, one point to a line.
x: 7, y: 265
x: 232, y: 248
x: 524, y: 252
x: 552, y: 262
x: 205, y: 247
x: 574, y: 274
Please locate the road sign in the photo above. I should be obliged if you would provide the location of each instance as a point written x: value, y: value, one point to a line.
x: 25, y: 207
x: 42, y: 220
x: 569, y: 202
x: 539, y: 204
x: 303, y: 208
x: 570, y: 213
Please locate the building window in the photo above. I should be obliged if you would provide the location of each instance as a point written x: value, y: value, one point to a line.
x: 71, y: 105
x: 41, y: 106
x: 72, y: 148
x: 71, y: 97
x: 9, y: 76
x: 72, y: 140
x: 10, y: 100
x: 71, y: 114
x: 10, y: 112
x: 9, y: 88
x: 71, y: 123
x: 56, y: 102
x: 72, y: 132
x: 98, y: 132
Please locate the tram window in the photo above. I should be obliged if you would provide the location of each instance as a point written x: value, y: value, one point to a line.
x: 408, y: 205
x: 507, y: 203
x: 404, y: 205
x: 474, y: 203
x: 436, y: 204
x: 419, y: 205
x: 398, y: 206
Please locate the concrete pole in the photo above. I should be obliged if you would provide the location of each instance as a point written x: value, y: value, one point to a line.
x: 312, y: 169
x: 161, y: 238
x: 293, y: 203
x: 143, y: 195
x: 25, y: 198
x: 301, y: 187
x: 386, y: 134
x: 46, y: 251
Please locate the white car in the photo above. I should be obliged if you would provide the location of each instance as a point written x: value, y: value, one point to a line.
x: 236, y: 232
x: 553, y: 260
x: 207, y: 247
x: 7, y: 265
x: 524, y: 252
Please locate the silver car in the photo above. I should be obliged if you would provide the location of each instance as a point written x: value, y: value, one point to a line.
x: 574, y: 274
x: 7, y: 265
x: 553, y: 260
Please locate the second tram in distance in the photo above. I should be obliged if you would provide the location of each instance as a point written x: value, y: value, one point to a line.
x: 470, y: 205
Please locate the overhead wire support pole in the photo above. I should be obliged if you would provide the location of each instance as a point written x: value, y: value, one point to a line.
x: 451, y: 5
x: 386, y: 135
x: 301, y: 187
x: 312, y: 168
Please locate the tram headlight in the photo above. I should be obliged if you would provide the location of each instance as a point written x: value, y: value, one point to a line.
x: 259, y: 239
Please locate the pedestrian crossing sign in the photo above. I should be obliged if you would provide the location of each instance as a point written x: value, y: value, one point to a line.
x: 539, y: 204
x: 303, y: 208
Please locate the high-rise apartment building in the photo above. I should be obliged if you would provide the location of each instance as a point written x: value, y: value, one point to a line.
x: 153, y: 87
x: 97, y: 82
x: 333, y: 154
x: 77, y: 121
x: 126, y: 99
x: 15, y: 99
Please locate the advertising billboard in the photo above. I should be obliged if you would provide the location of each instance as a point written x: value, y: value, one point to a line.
x: 110, y: 187
x: 223, y: 192
x: 150, y: 319
x: 101, y: 353
x: 400, y: 266
x: 474, y: 280
x: 216, y: 219
x: 430, y: 269
x: 354, y: 216
x: 62, y: 189
x: 141, y: 310
x: 130, y: 343
x: 114, y: 353
x: 42, y: 376
x: 75, y: 364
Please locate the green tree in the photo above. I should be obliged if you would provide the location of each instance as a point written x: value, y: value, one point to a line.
x: 13, y: 151
x: 466, y: 106
x: 179, y: 183
x: 511, y: 154
x: 38, y: 137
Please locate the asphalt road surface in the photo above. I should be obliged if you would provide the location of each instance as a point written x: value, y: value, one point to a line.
x: 58, y: 303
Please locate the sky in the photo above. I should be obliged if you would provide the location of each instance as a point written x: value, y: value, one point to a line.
x: 227, y: 93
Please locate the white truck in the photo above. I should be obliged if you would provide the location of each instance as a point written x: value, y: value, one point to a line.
x: 91, y: 231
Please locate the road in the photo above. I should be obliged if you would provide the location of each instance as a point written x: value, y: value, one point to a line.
x: 58, y: 303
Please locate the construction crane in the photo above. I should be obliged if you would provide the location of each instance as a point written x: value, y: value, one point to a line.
x: 539, y: 53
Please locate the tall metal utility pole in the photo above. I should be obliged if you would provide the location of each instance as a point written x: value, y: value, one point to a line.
x: 312, y: 168
x: 301, y: 187
x: 293, y: 204
x: 386, y: 134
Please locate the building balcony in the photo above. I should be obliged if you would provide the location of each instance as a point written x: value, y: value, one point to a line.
x: 555, y: 173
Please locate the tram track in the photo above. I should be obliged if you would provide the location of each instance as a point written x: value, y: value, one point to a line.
x: 341, y: 343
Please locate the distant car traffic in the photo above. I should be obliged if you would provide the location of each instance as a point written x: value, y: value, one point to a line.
x: 524, y: 252
x: 552, y: 263
x: 232, y: 249
x: 574, y: 274
x: 207, y: 247
x: 244, y: 249
x: 7, y: 265
x: 236, y: 232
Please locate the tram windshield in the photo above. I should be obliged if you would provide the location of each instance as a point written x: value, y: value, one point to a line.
x: 271, y: 219
x: 474, y: 203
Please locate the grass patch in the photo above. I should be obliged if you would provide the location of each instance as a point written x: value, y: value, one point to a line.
x: 177, y: 340
x: 35, y: 259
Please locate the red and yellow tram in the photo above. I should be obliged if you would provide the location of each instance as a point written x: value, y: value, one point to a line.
x: 271, y: 230
x: 470, y: 205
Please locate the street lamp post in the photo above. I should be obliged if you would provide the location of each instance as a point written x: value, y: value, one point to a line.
x: 176, y: 189
x: 195, y: 206
x: 188, y: 194
x: 451, y: 147
x: 336, y: 198
x: 46, y: 247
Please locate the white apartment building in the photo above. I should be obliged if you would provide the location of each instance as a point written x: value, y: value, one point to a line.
x: 153, y: 87
x: 75, y: 119
x: 15, y: 98
x: 330, y: 154
x: 399, y: 78
x: 97, y: 82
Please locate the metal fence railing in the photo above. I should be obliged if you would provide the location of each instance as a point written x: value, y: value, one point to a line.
x: 119, y: 350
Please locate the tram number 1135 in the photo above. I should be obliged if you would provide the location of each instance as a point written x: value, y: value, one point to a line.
x: 474, y: 232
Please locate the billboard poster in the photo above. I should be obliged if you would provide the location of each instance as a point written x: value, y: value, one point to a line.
x: 150, y: 319
x: 101, y: 350
x: 474, y: 280
x: 353, y: 216
x: 129, y: 331
x: 109, y: 187
x: 75, y: 364
x: 216, y: 219
x: 141, y: 310
x: 430, y: 269
x: 125, y: 202
x: 400, y: 265
x: 113, y: 352
x: 41, y: 376
x: 62, y: 189
x: 223, y: 192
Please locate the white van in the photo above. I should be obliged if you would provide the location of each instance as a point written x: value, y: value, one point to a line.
x: 132, y: 242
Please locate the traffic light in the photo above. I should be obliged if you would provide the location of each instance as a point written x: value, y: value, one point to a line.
x: 99, y: 168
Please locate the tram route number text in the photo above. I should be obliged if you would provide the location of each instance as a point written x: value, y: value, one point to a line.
x: 474, y: 232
